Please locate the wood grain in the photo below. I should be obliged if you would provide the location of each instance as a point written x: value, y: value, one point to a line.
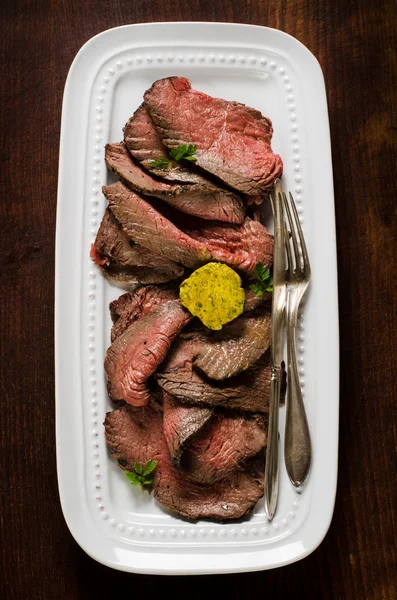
x: 355, y: 43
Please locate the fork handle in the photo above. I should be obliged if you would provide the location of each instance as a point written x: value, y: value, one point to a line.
x: 271, y: 466
x: 297, y: 445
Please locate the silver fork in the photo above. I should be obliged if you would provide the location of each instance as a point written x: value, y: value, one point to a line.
x: 297, y: 445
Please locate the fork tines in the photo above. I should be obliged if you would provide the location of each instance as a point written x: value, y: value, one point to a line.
x: 298, y: 239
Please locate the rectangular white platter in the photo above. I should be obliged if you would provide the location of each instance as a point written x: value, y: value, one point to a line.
x: 113, y: 522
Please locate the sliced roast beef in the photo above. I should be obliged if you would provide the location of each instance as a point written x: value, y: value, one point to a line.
x: 143, y: 223
x: 232, y: 140
x: 252, y: 301
x: 156, y: 394
x: 130, y: 307
x: 225, y: 443
x: 144, y: 143
x: 231, y: 498
x: 208, y: 202
x: 135, y: 435
x: 236, y: 347
x: 185, y: 350
x: 240, y: 246
x: 181, y: 424
x: 247, y: 391
x: 135, y: 355
x: 226, y: 353
x: 254, y: 202
x: 123, y: 260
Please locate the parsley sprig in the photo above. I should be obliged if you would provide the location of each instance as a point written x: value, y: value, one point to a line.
x: 185, y: 151
x: 160, y: 163
x: 264, y: 280
x: 142, y: 476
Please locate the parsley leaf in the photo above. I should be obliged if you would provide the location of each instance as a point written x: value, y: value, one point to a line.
x: 186, y: 151
x: 133, y: 477
x: 142, y: 475
x: 264, y: 280
x: 257, y: 289
x: 177, y: 153
x: 269, y: 286
x: 138, y: 468
x: 160, y: 163
x: 150, y: 467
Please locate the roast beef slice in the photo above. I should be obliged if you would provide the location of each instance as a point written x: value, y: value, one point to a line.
x: 143, y: 223
x: 241, y: 247
x: 236, y: 347
x: 144, y: 144
x: 253, y: 301
x: 123, y: 260
x: 224, y: 445
x: 232, y: 140
x: 136, y: 354
x: 131, y: 306
x: 248, y: 391
x: 182, y: 423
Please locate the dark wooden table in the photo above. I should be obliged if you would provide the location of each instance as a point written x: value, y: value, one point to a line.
x: 355, y: 42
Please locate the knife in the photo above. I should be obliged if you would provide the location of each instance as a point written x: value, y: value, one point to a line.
x: 277, y: 347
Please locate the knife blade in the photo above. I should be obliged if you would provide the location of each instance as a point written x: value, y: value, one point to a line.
x: 277, y: 346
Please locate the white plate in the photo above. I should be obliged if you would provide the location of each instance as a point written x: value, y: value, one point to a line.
x: 271, y: 71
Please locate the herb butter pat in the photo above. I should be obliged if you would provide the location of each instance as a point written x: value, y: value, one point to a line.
x: 214, y: 294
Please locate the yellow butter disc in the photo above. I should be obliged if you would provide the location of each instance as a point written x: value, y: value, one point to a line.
x: 214, y: 294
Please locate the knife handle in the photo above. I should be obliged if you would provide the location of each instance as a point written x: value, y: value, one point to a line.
x: 297, y: 444
x: 271, y: 467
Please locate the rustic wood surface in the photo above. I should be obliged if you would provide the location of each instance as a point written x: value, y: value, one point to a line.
x: 355, y: 42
